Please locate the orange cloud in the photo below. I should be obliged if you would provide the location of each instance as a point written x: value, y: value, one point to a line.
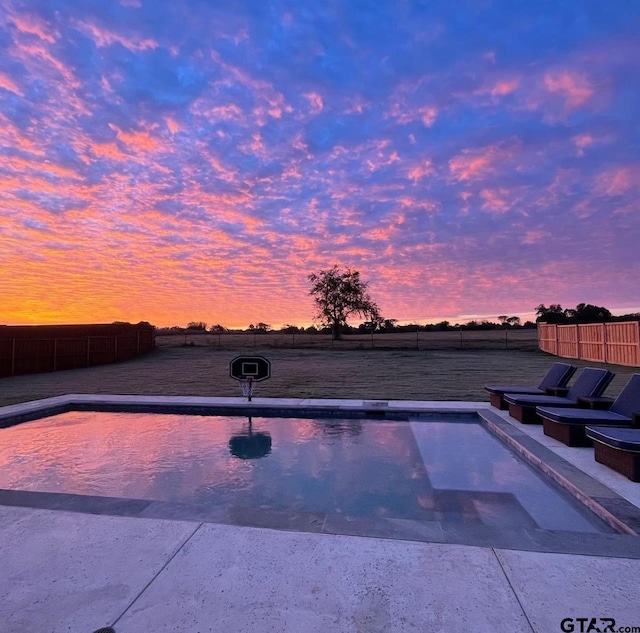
x: 173, y: 125
x: 137, y: 141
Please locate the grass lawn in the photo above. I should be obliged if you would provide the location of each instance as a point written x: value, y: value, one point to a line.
x: 305, y: 373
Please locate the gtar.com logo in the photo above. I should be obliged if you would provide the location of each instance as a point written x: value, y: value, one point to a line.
x: 595, y: 625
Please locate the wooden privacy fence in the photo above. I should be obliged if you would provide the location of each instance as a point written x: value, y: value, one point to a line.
x: 36, y: 349
x: 617, y: 343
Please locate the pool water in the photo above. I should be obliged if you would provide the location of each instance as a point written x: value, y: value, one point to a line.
x: 449, y: 470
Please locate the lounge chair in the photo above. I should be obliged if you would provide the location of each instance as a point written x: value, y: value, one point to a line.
x: 590, y: 383
x: 558, y: 376
x: 568, y: 425
x: 618, y: 449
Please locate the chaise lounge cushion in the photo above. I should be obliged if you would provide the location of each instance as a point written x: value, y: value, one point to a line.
x: 583, y: 416
x: 623, y: 439
x: 525, y: 400
x: 620, y: 413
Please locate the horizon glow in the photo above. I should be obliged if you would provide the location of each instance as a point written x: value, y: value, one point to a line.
x: 195, y: 161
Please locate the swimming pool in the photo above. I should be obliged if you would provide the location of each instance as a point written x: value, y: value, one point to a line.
x: 446, y: 469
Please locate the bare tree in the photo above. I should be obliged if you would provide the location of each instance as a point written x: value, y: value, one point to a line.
x: 338, y: 294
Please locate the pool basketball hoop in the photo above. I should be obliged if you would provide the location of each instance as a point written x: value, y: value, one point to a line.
x: 248, y: 370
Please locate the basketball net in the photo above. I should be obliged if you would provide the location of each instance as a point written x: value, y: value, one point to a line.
x: 246, y: 384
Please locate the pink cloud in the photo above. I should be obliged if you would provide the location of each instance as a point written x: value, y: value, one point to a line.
x: 495, y: 201
x: 34, y: 54
x: 108, y: 151
x: 404, y: 114
x: 357, y: 105
x: 7, y: 83
x: 229, y: 112
x: 420, y: 171
x: 619, y: 181
x: 104, y: 37
x: 228, y: 175
x: 581, y: 141
x: 535, y: 236
x: 499, y: 87
x: 263, y: 90
x: 315, y: 102
x: 173, y: 125
x: 33, y: 25
x: 140, y: 141
x: 428, y: 115
x: 504, y: 87
x: 573, y: 87
x: 472, y: 164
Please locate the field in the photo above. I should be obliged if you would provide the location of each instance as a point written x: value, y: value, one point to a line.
x: 380, y: 373
x: 462, y: 339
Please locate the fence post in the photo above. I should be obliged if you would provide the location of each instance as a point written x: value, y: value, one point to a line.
x: 115, y: 347
x: 461, y: 339
x: 13, y: 357
x: 506, y: 338
x: 293, y: 340
x: 605, y: 356
x: 88, y: 339
x: 418, y: 337
x: 138, y: 349
x: 55, y: 354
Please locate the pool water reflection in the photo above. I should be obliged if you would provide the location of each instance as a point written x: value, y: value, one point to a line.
x: 452, y: 471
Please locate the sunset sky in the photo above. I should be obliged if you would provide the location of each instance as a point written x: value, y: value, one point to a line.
x: 194, y: 160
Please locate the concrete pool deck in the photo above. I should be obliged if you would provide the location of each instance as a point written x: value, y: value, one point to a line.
x: 78, y: 571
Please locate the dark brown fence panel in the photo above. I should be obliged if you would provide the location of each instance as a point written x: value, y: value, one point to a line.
x: 34, y: 356
x: 71, y: 353
x: 102, y: 349
x: 6, y: 356
x: 35, y: 349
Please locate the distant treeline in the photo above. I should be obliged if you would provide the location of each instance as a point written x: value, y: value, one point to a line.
x: 555, y: 313
x: 582, y: 313
x: 387, y: 326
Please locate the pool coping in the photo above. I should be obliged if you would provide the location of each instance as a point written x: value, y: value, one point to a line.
x: 614, y: 509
